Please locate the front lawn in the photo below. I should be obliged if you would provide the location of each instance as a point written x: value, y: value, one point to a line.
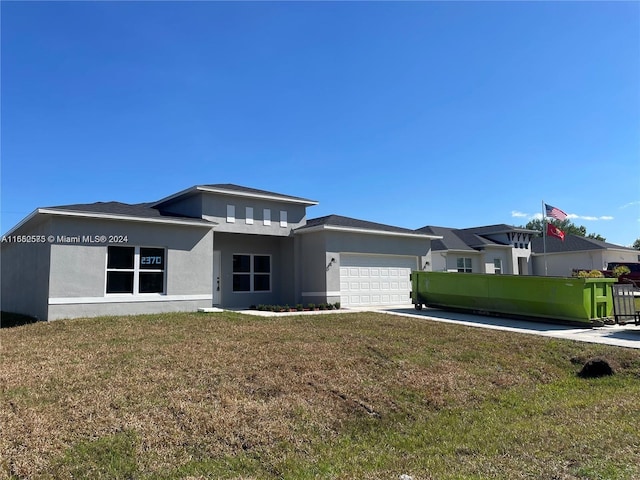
x: 347, y: 395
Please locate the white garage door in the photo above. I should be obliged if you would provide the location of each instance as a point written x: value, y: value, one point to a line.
x: 370, y: 280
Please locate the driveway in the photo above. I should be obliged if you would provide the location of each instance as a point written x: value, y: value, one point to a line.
x: 618, y: 335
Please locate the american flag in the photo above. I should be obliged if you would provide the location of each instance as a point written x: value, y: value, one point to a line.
x: 554, y: 212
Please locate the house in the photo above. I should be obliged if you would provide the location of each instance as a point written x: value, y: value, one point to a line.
x: 490, y: 249
x: 577, y: 252
x: 209, y: 245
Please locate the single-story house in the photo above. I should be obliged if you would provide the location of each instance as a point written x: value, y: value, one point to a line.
x: 513, y: 250
x: 576, y: 252
x: 209, y: 245
x: 500, y: 249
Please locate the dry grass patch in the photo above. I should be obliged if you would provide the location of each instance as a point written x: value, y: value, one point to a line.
x: 337, y: 396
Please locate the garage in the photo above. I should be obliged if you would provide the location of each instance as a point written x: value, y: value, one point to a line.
x: 371, y: 280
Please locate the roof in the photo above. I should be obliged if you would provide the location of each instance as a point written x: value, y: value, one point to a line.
x: 470, y: 239
x: 498, y: 228
x: 235, y: 190
x: 572, y: 243
x: 140, y: 212
x: 338, y: 222
x: 457, y: 239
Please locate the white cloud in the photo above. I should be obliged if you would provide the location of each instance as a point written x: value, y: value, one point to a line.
x: 515, y: 213
x: 631, y: 204
x: 588, y: 217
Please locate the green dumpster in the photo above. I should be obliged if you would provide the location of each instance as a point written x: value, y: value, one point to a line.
x: 584, y: 300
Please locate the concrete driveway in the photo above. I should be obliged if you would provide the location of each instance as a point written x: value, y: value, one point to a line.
x: 618, y: 335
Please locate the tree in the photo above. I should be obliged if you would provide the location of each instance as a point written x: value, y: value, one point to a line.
x: 567, y: 226
x: 636, y: 244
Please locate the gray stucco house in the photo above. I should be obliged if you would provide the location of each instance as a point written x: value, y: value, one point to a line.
x: 209, y: 245
x: 580, y: 253
x: 505, y: 249
x: 501, y: 249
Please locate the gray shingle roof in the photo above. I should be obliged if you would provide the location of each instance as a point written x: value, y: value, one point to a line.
x: 138, y: 210
x: 347, y: 222
x: 498, y: 228
x: 469, y: 239
x: 456, y: 239
x: 572, y: 243
x: 254, y: 191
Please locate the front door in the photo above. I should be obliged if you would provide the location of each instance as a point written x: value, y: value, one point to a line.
x: 217, y: 286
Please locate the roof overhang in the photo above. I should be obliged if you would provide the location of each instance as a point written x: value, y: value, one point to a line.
x: 365, y: 231
x: 108, y: 216
x: 235, y: 193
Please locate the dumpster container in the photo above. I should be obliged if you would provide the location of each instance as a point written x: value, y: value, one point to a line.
x: 582, y: 300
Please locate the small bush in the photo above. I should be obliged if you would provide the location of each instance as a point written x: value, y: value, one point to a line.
x: 312, y: 306
x: 337, y: 305
x: 620, y: 270
x: 589, y: 274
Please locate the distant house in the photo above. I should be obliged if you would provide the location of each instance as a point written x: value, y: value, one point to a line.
x: 577, y: 252
x: 222, y: 245
x: 500, y: 249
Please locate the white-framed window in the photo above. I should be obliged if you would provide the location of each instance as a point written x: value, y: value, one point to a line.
x: 251, y: 273
x: 464, y: 265
x: 266, y: 216
x: 135, y: 270
x: 283, y: 218
x: 231, y: 214
x: 249, y: 215
x: 497, y: 265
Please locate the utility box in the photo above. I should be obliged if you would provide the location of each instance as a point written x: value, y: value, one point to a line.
x: 582, y: 300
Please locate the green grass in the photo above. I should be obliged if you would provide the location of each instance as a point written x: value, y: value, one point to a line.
x: 356, y: 395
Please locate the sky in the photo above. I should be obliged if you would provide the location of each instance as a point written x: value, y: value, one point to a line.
x: 453, y: 114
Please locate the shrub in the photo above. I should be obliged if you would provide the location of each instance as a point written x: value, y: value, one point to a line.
x: 337, y: 305
x: 620, y: 270
x: 299, y: 307
x: 590, y: 274
x: 312, y: 306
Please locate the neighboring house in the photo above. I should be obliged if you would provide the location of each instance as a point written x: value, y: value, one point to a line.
x: 207, y: 245
x: 577, y: 252
x: 499, y: 249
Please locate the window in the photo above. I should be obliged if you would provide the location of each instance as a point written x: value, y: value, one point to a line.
x: 135, y: 270
x: 249, y: 216
x: 497, y: 265
x: 231, y: 214
x: 251, y: 273
x: 267, y: 216
x: 464, y: 265
x: 283, y: 218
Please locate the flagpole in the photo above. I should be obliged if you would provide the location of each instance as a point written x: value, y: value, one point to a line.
x: 544, y: 238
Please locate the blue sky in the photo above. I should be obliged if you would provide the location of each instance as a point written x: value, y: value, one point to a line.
x: 455, y: 114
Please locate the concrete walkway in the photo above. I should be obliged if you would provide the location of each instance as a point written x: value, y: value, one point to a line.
x: 617, y: 335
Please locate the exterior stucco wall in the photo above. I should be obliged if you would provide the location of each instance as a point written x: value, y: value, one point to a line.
x: 214, y: 208
x: 24, y: 271
x: 282, y: 269
x: 562, y: 264
x: 312, y: 266
x: 490, y: 254
x: 78, y: 269
x: 320, y: 275
x: 448, y: 262
x: 190, y: 206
